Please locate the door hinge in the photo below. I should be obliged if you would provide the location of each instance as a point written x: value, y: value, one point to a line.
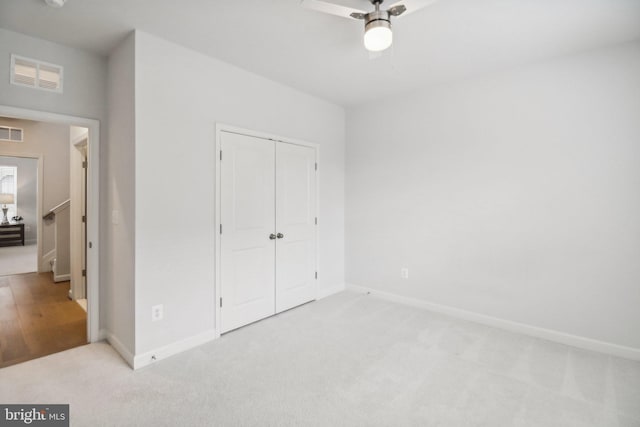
x: 220, y: 155
x: 316, y: 220
x: 84, y: 273
x: 316, y: 275
x: 220, y: 228
x: 84, y: 218
x: 84, y: 164
x: 316, y: 166
x: 221, y: 302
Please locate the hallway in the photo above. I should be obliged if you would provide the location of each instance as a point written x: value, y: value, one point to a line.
x: 37, y: 318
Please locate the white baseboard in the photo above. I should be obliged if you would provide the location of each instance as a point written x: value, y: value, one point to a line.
x: 325, y: 292
x: 144, y: 359
x: 118, y: 346
x: 102, y: 335
x: 548, y: 334
x: 61, y: 277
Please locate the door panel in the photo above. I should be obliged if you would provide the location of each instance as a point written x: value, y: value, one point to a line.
x: 248, y: 267
x: 247, y: 218
x: 295, y: 220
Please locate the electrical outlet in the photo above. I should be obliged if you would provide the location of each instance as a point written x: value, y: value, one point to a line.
x: 157, y: 312
x: 404, y: 273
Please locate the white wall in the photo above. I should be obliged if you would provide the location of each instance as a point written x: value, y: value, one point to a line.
x: 52, y: 142
x: 118, y: 266
x: 27, y: 193
x: 84, y: 77
x: 76, y: 133
x: 180, y: 96
x: 515, y: 195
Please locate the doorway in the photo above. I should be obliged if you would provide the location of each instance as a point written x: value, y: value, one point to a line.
x: 90, y: 231
x: 267, y: 226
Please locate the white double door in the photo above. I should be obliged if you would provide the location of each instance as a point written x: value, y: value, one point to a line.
x: 268, y: 220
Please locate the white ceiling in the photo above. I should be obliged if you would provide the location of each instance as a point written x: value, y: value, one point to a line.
x: 323, y: 55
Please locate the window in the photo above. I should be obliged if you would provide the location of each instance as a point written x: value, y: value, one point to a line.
x: 8, y: 179
x: 11, y: 134
x: 36, y: 74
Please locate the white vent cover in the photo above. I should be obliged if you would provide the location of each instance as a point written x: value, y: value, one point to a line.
x: 10, y: 134
x: 36, y: 74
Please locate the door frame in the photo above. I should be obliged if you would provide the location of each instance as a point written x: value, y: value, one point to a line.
x: 93, y: 202
x: 220, y: 128
x: 77, y: 236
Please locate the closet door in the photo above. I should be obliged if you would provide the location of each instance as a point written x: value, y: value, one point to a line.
x: 248, y: 221
x: 295, y: 225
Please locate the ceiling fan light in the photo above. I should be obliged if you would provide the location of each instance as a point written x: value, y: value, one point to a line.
x: 378, y: 36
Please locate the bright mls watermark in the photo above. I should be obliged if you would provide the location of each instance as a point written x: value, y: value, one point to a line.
x: 34, y: 415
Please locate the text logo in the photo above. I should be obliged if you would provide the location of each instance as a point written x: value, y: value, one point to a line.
x: 34, y: 415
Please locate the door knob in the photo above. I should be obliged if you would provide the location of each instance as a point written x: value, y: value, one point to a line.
x: 272, y: 236
x: 280, y: 235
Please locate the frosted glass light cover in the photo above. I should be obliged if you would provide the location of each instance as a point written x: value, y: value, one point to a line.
x: 378, y: 38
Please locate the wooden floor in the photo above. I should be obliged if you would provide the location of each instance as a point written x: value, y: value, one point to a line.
x: 37, y: 318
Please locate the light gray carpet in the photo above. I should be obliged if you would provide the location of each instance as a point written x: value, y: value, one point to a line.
x: 18, y: 259
x: 347, y: 360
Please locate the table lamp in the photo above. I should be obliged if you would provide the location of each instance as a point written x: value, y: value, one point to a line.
x: 5, y: 198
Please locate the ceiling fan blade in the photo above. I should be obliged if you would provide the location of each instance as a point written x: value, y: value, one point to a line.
x: 410, y: 5
x: 397, y: 10
x: 333, y: 9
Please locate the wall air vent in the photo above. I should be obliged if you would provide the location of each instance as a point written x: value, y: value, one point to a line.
x: 36, y: 74
x: 11, y: 134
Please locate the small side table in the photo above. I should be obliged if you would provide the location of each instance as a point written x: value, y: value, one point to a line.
x: 12, y: 234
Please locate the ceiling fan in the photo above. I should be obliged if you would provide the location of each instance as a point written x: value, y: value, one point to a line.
x: 377, y: 23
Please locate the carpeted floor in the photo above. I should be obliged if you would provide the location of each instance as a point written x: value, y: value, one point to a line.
x: 18, y: 259
x: 347, y: 360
